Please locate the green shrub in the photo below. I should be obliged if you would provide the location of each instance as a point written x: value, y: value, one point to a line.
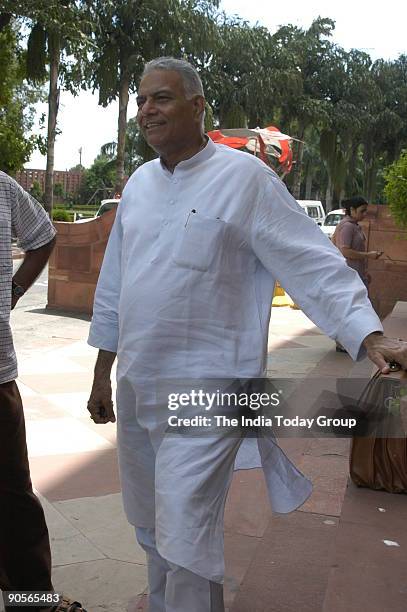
x: 396, y: 189
x: 60, y: 214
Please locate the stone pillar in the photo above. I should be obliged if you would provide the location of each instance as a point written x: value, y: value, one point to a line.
x: 389, y: 273
x: 76, y: 261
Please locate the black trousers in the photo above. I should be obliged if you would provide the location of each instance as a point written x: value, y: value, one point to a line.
x: 25, y: 556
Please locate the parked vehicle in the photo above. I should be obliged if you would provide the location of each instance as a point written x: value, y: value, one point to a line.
x: 331, y: 221
x: 314, y: 209
x: 106, y: 205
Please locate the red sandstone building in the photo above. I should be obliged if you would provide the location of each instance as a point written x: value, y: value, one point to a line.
x: 70, y: 180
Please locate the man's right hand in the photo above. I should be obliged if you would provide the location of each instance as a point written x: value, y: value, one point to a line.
x: 100, y: 404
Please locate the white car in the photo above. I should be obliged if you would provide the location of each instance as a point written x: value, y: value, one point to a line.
x: 314, y: 209
x: 331, y: 221
x: 105, y: 205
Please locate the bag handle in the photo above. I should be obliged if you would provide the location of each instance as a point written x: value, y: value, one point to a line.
x: 394, y: 367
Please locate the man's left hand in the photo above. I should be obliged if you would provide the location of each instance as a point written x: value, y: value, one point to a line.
x: 382, y: 351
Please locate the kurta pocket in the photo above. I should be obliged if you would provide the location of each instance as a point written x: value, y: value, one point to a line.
x: 198, y: 242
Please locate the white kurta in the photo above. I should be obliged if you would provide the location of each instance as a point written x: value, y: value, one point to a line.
x: 185, y: 294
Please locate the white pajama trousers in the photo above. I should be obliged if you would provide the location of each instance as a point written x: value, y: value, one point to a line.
x: 173, y: 588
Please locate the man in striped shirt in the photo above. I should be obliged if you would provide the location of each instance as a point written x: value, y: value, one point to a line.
x: 25, y: 558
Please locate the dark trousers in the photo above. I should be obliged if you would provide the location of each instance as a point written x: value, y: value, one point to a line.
x: 25, y: 557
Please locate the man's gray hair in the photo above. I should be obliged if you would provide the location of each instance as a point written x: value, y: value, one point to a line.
x: 190, y: 77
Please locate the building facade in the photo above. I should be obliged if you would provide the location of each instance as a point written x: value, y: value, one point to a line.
x: 70, y: 180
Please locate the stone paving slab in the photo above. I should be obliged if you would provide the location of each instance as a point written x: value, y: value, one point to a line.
x: 329, y: 475
x: 240, y: 550
x: 369, y: 566
x: 247, y: 509
x: 102, y: 586
x: 290, y: 568
x: 76, y: 475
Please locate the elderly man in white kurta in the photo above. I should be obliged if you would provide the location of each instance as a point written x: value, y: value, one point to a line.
x: 185, y: 291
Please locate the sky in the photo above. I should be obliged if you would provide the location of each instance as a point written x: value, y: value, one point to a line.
x: 359, y: 24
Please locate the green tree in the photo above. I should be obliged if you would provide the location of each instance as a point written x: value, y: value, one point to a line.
x: 59, y: 191
x: 136, y: 151
x: 98, y: 181
x: 57, y: 44
x: 234, y: 74
x: 385, y: 130
x: 349, y: 90
x: 16, y: 101
x: 311, y: 54
x: 131, y: 32
x: 36, y: 192
x: 311, y: 166
x: 396, y: 189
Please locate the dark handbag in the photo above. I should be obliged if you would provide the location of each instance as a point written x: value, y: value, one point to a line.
x: 379, y: 460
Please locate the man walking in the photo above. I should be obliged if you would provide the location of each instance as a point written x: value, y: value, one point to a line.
x: 185, y: 292
x: 25, y: 558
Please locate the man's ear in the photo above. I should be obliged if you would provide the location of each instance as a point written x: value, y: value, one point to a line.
x: 199, y: 106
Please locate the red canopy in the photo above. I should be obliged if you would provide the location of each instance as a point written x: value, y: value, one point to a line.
x: 267, y: 141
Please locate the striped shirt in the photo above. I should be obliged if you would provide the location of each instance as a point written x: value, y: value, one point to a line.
x: 23, y: 217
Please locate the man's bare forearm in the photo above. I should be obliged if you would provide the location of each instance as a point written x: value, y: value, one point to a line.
x: 33, y: 263
x: 104, y: 363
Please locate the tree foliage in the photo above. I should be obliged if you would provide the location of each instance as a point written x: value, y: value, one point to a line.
x: 36, y: 192
x: 396, y: 189
x: 347, y: 113
x: 16, y: 104
x: 128, y: 34
x: 57, y: 35
x: 98, y: 181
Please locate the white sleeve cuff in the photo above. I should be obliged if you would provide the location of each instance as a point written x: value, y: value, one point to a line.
x: 103, y: 336
x: 355, y: 331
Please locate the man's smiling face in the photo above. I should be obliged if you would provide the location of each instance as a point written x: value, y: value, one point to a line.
x: 169, y: 121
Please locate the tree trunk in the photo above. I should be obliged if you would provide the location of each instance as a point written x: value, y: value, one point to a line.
x: 351, y: 182
x: 121, y: 132
x: 370, y: 194
x: 369, y: 171
x: 5, y: 19
x: 298, y: 168
x: 53, y: 103
x: 308, y: 182
x: 329, y: 195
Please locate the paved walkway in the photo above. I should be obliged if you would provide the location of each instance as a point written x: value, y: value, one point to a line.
x: 74, y: 470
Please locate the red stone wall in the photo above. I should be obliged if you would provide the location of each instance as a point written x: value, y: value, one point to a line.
x: 75, y: 263
x: 389, y: 273
x: 76, y: 260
